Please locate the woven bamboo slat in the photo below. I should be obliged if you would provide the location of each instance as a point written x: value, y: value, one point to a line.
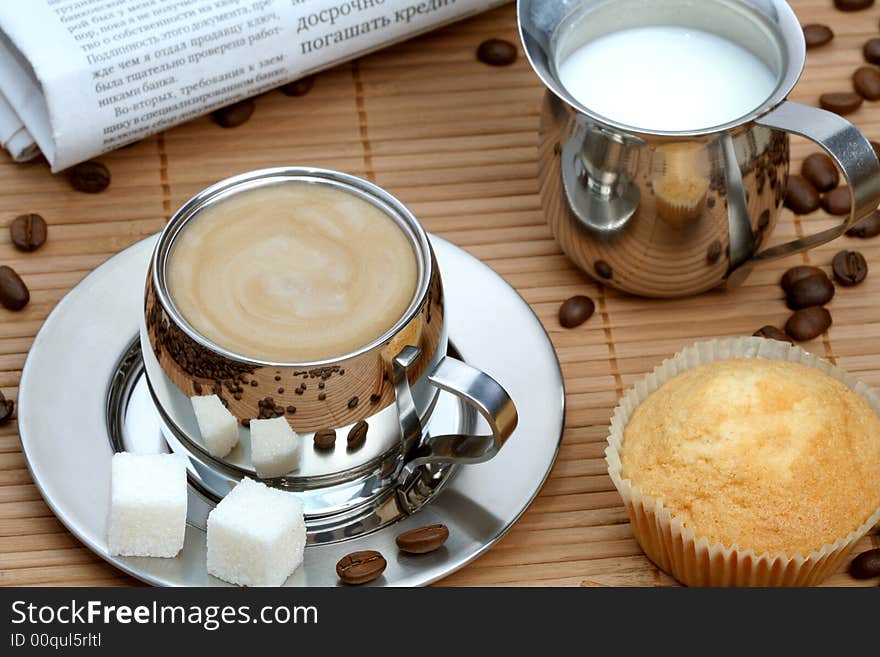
x: 457, y: 141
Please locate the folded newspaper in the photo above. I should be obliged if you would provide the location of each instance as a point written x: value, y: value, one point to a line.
x: 82, y: 77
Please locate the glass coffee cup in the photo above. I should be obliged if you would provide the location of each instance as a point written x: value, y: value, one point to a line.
x: 664, y: 198
x: 392, y: 382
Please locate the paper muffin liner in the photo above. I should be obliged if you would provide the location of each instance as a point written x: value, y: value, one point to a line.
x: 675, y: 548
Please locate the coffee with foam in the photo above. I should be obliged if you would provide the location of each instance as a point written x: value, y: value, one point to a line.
x: 292, y: 272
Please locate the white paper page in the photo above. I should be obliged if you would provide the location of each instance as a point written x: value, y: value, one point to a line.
x: 24, y: 96
x: 88, y: 76
x: 14, y: 137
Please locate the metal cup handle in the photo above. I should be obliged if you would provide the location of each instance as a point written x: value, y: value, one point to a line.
x: 851, y: 151
x: 477, y: 388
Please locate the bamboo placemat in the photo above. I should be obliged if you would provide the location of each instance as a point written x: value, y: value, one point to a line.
x: 456, y: 141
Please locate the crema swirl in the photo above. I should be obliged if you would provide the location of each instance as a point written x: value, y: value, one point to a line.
x: 292, y: 272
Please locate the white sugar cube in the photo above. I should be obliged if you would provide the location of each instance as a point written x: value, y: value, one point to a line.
x: 256, y: 535
x: 218, y: 426
x: 274, y: 447
x: 147, y: 504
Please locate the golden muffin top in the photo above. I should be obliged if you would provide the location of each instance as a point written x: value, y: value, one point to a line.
x: 761, y: 454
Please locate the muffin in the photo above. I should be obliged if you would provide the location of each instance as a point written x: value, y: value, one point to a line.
x: 680, y: 198
x: 747, y: 462
x: 680, y: 193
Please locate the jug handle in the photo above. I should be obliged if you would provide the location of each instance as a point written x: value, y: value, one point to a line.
x: 851, y: 151
x: 473, y: 386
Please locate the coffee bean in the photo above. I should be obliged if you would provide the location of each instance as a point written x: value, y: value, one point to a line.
x: 298, y: 87
x: 291, y: 410
x: 813, y: 290
x: 841, y: 102
x: 866, y: 82
x: 353, y: 402
x: 867, y: 227
x: 496, y: 52
x: 234, y: 115
x: 816, y: 34
x: 871, y: 50
x: 714, y: 252
x: 14, y: 294
x: 837, y: 201
x: 849, y: 267
x: 603, y: 269
x: 90, y: 177
x: 866, y: 565
x: 6, y: 408
x: 575, y: 311
x: 821, y: 172
x: 360, y: 567
x: 800, y: 196
x: 28, y: 232
x: 325, y: 439
x: 423, y: 540
x: 808, y: 323
x: 358, y: 435
x: 793, y: 275
x: 772, y: 333
x: 853, y: 5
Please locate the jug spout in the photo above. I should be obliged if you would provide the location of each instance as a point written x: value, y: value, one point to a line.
x: 598, y: 168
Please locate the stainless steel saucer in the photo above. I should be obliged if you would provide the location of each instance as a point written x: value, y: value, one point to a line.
x: 82, y: 392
